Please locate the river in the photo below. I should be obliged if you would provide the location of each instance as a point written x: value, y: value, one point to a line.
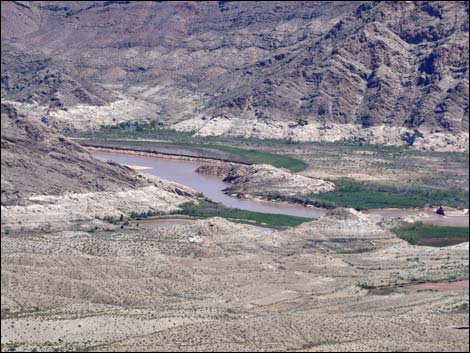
x: 184, y: 172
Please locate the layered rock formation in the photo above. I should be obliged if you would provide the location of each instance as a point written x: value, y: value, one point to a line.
x: 375, y: 72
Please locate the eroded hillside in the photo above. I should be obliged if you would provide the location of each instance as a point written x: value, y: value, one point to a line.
x: 50, y: 182
x: 391, y: 73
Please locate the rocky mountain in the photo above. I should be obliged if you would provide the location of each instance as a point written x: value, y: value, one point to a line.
x: 30, y: 78
x: 36, y: 161
x: 396, y: 63
x: 381, y: 72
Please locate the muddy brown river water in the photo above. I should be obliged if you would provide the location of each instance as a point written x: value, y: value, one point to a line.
x: 183, y: 172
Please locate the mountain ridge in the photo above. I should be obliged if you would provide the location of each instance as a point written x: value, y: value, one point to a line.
x: 320, y: 70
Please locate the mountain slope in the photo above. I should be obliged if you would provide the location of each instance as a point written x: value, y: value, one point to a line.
x: 36, y: 161
x: 50, y: 183
x: 37, y: 78
x: 402, y: 64
x: 380, y: 72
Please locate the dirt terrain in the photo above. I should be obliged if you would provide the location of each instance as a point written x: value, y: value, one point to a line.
x: 361, y: 103
x: 213, y: 285
x: 457, y: 218
x: 446, y: 286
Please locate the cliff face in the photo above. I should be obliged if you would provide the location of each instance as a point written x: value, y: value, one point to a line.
x: 393, y: 63
x: 315, y: 70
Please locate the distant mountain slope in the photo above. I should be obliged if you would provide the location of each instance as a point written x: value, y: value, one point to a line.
x: 380, y: 72
x: 37, y: 78
x: 393, y: 63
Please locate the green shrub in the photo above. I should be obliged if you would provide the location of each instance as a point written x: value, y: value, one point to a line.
x: 361, y: 195
x: 420, y: 233
x: 207, y: 210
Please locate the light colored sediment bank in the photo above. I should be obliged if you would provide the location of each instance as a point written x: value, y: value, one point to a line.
x: 132, y: 152
x: 137, y: 167
x: 248, y: 127
x: 263, y: 179
x: 453, y: 217
x: 87, y: 210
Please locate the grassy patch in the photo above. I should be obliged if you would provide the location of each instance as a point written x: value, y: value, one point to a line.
x: 361, y: 195
x: 299, y: 199
x: 443, y: 181
x: 207, y: 210
x: 260, y: 157
x: 462, y: 308
x: 136, y: 130
x: 423, y: 234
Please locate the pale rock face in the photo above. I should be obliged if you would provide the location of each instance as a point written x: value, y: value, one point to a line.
x: 89, y: 117
x: 72, y: 211
x: 329, y: 132
x: 352, y: 70
x: 261, y: 180
x: 441, y: 141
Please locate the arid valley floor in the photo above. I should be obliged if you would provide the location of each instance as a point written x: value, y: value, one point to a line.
x: 333, y: 284
x: 344, y: 282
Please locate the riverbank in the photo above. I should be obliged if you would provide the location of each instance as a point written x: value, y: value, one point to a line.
x: 160, y: 155
x: 182, y: 169
x: 209, y: 151
x: 443, y: 185
x: 428, y: 215
x: 212, y: 187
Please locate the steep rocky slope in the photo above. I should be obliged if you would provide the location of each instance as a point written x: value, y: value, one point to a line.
x: 394, y: 63
x: 390, y: 73
x: 51, y: 183
x: 36, y: 161
x: 381, y: 72
x: 37, y: 78
x: 160, y: 52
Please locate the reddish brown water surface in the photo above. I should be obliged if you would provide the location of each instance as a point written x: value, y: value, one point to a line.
x: 183, y: 172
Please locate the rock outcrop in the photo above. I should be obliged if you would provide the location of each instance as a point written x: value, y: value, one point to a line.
x: 38, y: 161
x: 264, y: 180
